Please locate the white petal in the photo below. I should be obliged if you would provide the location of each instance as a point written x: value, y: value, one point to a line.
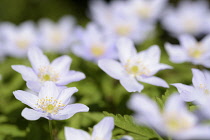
x: 71, y: 76
x: 62, y: 64
x: 126, y: 49
x: 112, y: 68
x: 176, y: 53
x: 126, y: 138
x: 66, y: 94
x: 206, y: 40
x: 186, y: 92
x: 34, y: 85
x: 151, y: 55
x: 31, y: 114
x: 145, y: 107
x: 49, y: 89
x: 187, y: 41
x: 103, y: 130
x: 198, y: 78
x: 37, y: 58
x: 70, y: 110
x: 198, y: 132
x: 153, y: 69
x: 26, y: 72
x: 76, y: 134
x: 153, y: 81
x: 131, y: 84
x: 174, y: 103
x: 26, y: 98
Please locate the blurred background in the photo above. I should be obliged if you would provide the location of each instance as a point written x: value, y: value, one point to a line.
x: 98, y: 91
x: 22, y: 10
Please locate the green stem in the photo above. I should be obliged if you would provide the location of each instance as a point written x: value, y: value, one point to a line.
x: 50, y: 129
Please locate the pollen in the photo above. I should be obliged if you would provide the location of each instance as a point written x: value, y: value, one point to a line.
x: 195, y: 53
x: 22, y: 43
x: 123, y: 30
x: 50, y: 105
x: 205, y: 90
x: 97, y: 50
x: 136, y: 68
x: 144, y: 11
x: 47, y: 73
x: 189, y: 25
x: 56, y: 37
x: 174, y: 122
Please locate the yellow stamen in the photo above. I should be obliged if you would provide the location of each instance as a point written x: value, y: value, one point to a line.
x: 205, y: 90
x: 49, y: 105
x: 48, y: 74
x: 97, y: 50
x: 123, y: 30
x: 174, y: 122
x: 136, y: 69
x: 144, y: 11
x: 56, y: 37
x: 22, y: 43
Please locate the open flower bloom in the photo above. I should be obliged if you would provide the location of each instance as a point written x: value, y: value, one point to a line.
x: 174, y: 121
x: 117, y: 21
x: 190, y: 50
x: 51, y: 103
x: 134, y: 67
x: 101, y: 131
x: 146, y: 10
x: 188, y: 18
x: 57, y: 37
x: 42, y: 70
x: 16, y: 40
x: 200, y: 89
x: 93, y: 44
x: 129, y: 27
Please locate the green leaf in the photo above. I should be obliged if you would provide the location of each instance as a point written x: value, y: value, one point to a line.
x: 126, y: 123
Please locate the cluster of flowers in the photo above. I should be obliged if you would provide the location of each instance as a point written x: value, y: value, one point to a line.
x: 111, y: 35
x: 134, y: 19
x: 50, y: 98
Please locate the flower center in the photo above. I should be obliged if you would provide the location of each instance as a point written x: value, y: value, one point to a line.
x: 50, y: 105
x: 22, y: 43
x: 204, y: 88
x: 174, y: 122
x: 136, y: 69
x: 196, y: 51
x: 189, y: 25
x: 144, y: 11
x: 56, y: 37
x: 97, y: 138
x: 123, y: 30
x: 46, y: 73
x: 97, y: 50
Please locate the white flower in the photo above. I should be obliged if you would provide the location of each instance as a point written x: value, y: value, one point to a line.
x: 198, y: 93
x: 42, y: 70
x: 146, y: 10
x: 16, y: 40
x: 57, y: 37
x: 188, y: 18
x: 93, y: 44
x: 101, y: 131
x: 174, y: 121
x: 200, y: 89
x: 134, y: 67
x: 116, y: 20
x: 50, y: 103
x: 190, y: 50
